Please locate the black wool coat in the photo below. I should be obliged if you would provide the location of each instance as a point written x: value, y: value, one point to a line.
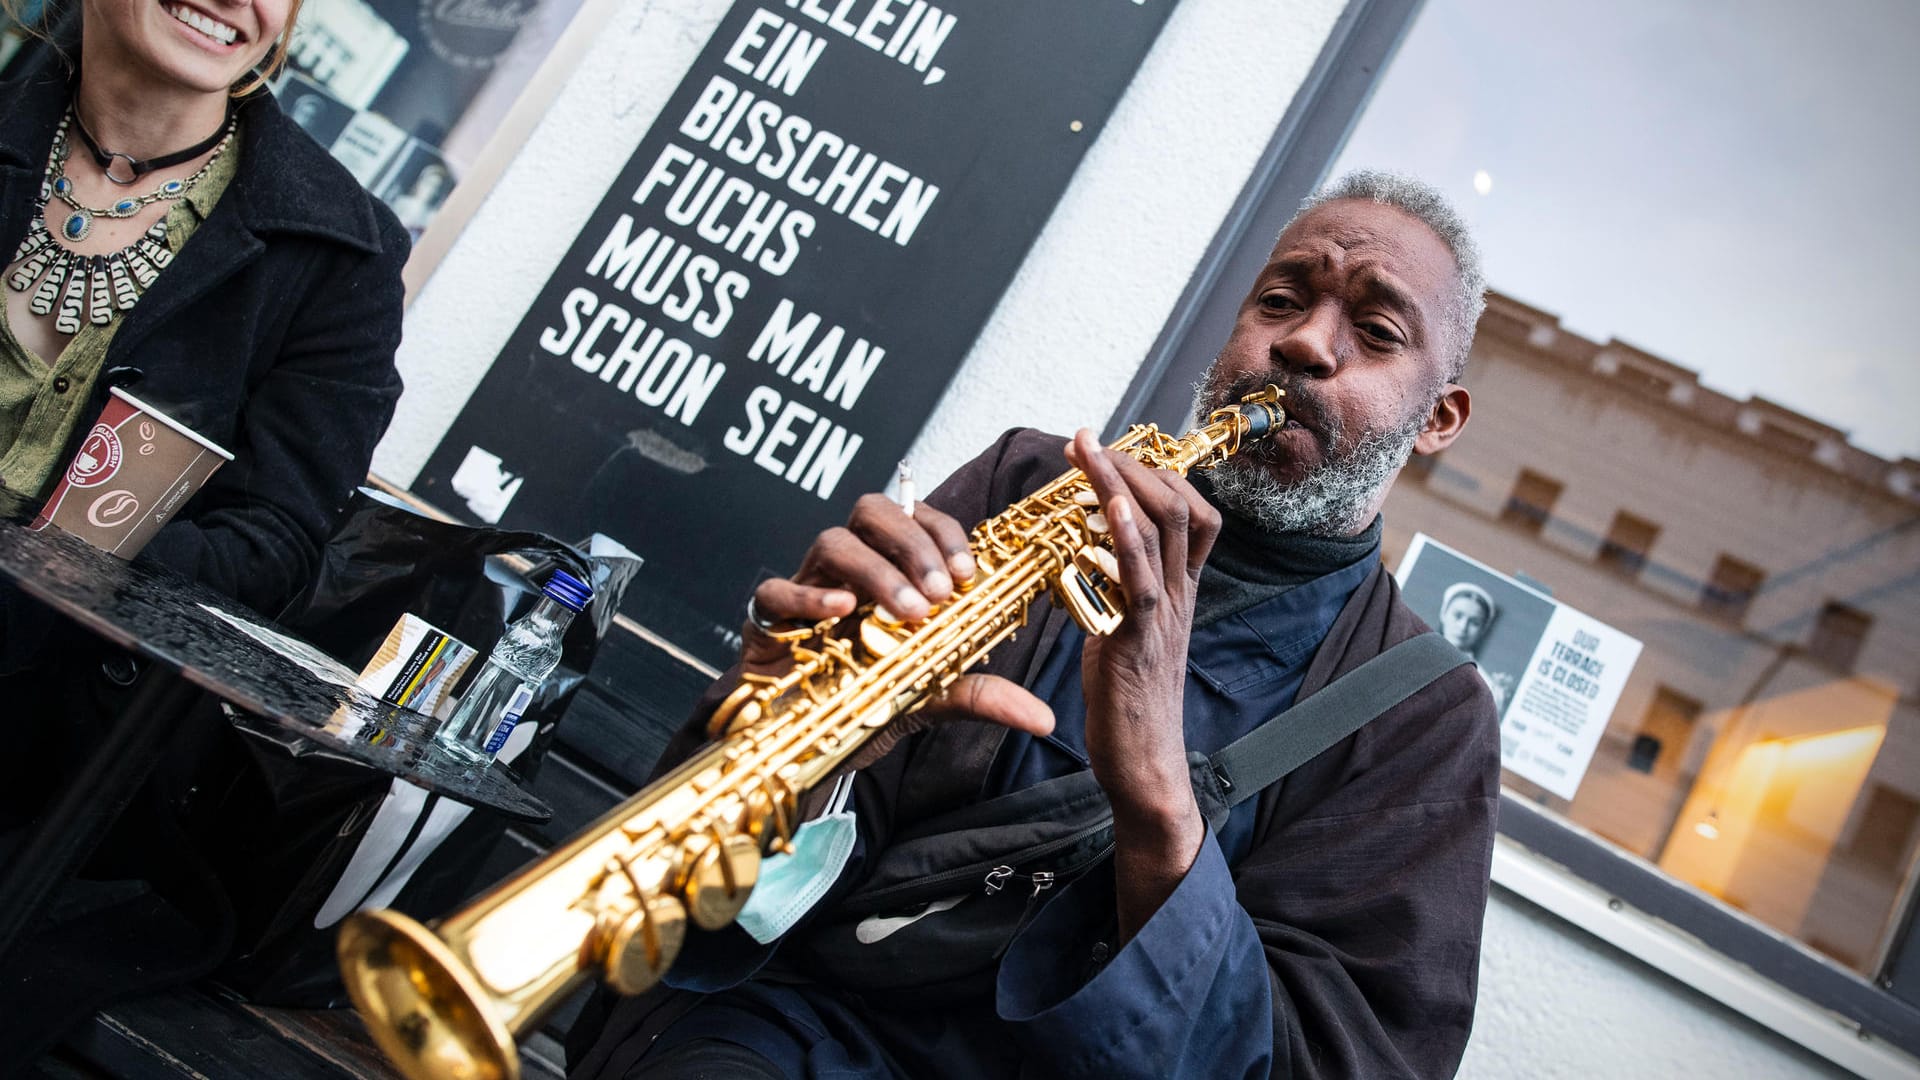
x: 272, y: 333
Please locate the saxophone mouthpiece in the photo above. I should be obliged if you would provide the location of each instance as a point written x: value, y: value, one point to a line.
x: 1262, y: 410
x: 1256, y: 416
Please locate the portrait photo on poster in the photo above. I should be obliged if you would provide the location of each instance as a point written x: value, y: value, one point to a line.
x: 1555, y: 671
x: 1487, y: 615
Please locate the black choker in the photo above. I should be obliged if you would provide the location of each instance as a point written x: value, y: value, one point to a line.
x: 106, y: 158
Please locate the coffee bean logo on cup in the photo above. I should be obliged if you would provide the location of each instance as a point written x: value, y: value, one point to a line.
x: 113, y: 509
x: 157, y: 470
x: 98, y: 459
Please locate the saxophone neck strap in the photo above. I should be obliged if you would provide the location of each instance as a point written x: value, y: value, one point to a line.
x: 1299, y: 734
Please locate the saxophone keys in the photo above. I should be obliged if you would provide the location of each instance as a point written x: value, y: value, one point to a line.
x: 1108, y: 563
x: 721, y: 877
x: 979, y: 575
x: 742, y: 708
x: 879, y: 636
x: 1086, y: 497
x: 1097, y: 523
x: 644, y: 945
x: 1089, y: 588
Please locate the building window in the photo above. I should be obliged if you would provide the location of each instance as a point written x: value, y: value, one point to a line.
x: 1886, y: 828
x: 1838, y: 634
x: 1664, y: 732
x: 1730, y: 589
x: 1644, y: 381
x: 1628, y: 541
x: 1531, y: 503
x: 1790, y: 441
x: 1644, y: 752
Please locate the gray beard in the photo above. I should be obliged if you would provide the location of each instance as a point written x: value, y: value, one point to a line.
x: 1335, y: 499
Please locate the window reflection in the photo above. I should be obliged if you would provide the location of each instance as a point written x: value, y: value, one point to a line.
x: 1695, y: 427
x: 1757, y: 720
x: 406, y: 92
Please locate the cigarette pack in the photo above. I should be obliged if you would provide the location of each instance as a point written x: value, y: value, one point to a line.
x: 416, y: 665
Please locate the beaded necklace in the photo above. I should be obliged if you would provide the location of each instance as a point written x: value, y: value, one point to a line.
x: 99, y: 287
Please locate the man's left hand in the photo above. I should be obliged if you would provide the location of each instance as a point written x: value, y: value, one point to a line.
x: 1134, y: 679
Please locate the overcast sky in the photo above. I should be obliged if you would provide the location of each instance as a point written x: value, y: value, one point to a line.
x: 1730, y: 186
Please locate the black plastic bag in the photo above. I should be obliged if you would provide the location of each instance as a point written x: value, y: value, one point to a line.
x: 304, y: 842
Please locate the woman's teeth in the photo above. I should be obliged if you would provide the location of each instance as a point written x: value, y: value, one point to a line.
x: 214, y: 29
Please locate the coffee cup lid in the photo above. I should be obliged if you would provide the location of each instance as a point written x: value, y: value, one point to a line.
x: 169, y: 421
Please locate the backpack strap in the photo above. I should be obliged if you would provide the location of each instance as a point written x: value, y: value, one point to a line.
x: 1299, y: 734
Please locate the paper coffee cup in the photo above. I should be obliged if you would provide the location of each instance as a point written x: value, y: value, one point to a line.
x: 132, y: 472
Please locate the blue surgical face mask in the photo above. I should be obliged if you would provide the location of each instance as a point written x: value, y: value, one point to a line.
x: 790, y: 884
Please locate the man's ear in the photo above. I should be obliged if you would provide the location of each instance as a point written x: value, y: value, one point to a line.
x: 1445, y: 423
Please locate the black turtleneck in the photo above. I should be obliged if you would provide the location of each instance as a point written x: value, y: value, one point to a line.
x: 1250, y: 564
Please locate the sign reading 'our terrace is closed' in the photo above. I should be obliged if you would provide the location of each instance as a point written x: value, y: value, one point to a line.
x: 758, y: 318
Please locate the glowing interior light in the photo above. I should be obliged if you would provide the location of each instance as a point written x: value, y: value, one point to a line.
x: 1483, y: 181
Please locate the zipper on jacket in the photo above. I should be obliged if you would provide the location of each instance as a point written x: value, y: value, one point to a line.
x: 1041, y: 880
x: 997, y: 879
x: 933, y: 884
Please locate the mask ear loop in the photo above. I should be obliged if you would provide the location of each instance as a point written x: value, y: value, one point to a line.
x: 842, y: 794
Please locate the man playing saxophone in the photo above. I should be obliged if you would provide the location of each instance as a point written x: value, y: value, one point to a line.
x: 1328, y: 927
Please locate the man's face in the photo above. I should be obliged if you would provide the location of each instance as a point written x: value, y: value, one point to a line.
x: 1348, y: 317
x: 1463, y: 622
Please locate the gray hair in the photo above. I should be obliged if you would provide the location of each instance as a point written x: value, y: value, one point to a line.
x: 1420, y: 200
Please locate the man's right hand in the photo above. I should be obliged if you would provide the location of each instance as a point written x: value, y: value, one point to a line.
x: 905, y: 564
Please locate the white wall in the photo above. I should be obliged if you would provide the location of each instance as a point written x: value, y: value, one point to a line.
x: 1559, y: 1004
x: 1058, y: 353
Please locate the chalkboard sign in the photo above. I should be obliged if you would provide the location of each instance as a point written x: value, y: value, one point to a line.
x: 757, y: 320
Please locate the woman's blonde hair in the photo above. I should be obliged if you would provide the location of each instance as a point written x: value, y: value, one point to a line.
x: 270, y: 65
x: 275, y: 61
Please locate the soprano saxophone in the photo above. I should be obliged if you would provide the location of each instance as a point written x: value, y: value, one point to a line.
x: 445, y: 1001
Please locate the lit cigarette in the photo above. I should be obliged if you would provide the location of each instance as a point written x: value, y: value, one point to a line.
x: 906, y: 488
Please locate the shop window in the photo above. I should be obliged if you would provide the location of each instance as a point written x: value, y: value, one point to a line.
x: 1628, y: 541
x: 1886, y: 829
x: 1730, y: 588
x: 1531, y: 503
x: 1838, y: 634
x: 1779, y: 783
x: 406, y: 94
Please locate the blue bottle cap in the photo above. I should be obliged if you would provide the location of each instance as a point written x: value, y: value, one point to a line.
x: 569, y: 591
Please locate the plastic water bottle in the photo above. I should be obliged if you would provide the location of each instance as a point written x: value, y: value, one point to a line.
x: 525, y: 655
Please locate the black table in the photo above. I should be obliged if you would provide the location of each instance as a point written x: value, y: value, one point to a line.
x: 199, y: 641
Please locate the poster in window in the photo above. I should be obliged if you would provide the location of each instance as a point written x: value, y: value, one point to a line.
x: 1555, y: 672
x: 406, y: 92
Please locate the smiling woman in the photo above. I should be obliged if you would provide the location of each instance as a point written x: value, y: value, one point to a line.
x: 155, y: 131
x: 163, y: 223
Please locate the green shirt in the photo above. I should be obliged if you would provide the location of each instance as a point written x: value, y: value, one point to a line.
x: 40, y: 403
